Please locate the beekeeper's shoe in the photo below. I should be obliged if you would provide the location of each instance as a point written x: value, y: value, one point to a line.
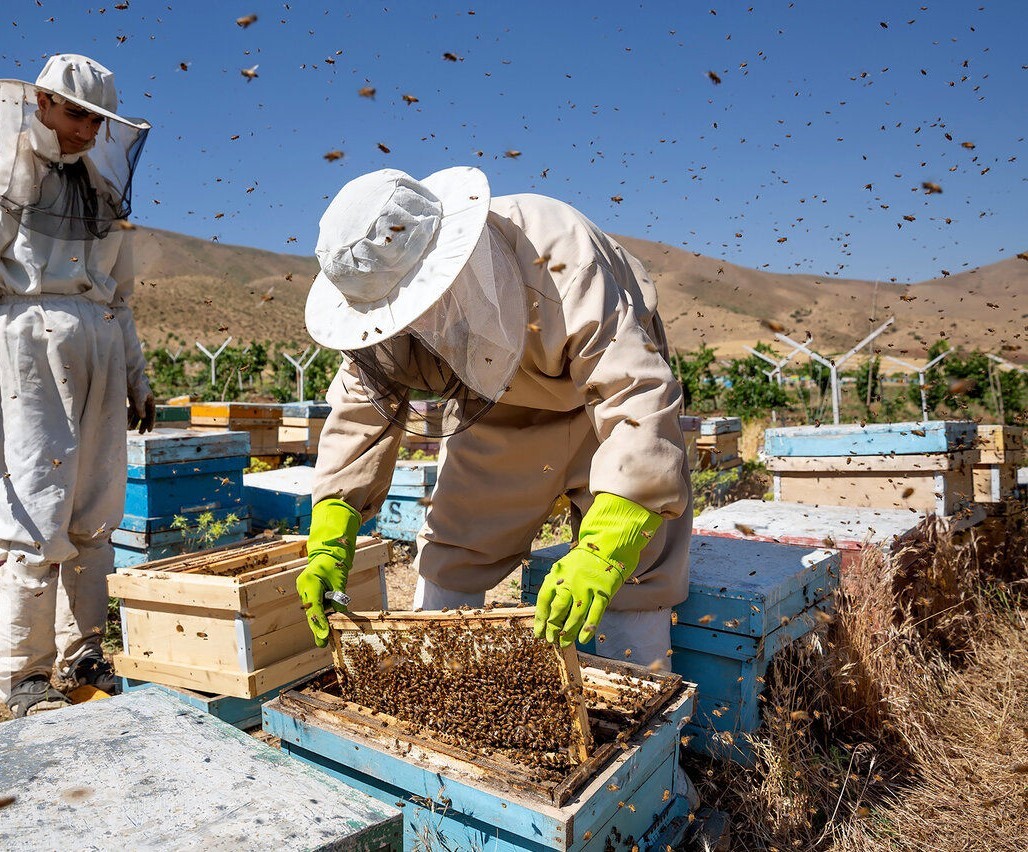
x: 34, y: 695
x: 93, y: 670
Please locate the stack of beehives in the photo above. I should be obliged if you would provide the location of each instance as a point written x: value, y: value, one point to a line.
x: 180, y: 473
x: 918, y: 466
x: 718, y: 443
x: 301, y: 427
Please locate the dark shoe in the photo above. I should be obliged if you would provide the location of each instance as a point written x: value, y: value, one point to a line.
x: 34, y: 695
x: 93, y: 670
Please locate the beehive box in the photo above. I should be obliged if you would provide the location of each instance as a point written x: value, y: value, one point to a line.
x: 173, y: 416
x: 718, y: 443
x: 747, y: 601
x: 260, y: 420
x: 228, y: 621
x: 627, y: 794
x: 179, y: 473
x: 147, y: 772
x: 243, y: 713
x: 691, y: 432
x: 917, y: 466
x: 282, y: 498
x: 403, y: 513
x: 1001, y: 453
x: 301, y: 426
x: 830, y: 527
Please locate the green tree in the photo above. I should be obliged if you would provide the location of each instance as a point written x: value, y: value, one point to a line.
x: 751, y: 394
x: 694, y: 373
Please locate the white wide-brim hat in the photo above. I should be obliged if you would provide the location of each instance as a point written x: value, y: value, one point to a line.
x: 389, y: 247
x: 84, y: 82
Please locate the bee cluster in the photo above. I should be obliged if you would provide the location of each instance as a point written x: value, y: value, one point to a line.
x: 491, y: 688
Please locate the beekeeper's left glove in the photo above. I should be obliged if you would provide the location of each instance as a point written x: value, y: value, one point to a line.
x: 578, y: 588
x: 330, y: 547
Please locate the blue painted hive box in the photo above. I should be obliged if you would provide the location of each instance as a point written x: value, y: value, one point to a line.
x: 283, y: 497
x: 873, y: 439
x: 280, y: 499
x: 403, y: 513
x: 918, y: 466
x: 181, y: 473
x: 630, y: 792
x: 747, y: 601
x: 148, y: 772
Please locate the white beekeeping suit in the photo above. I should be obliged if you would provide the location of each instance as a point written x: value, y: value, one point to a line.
x: 69, y: 358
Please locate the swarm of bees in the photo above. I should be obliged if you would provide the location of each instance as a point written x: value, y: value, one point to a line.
x: 492, y: 689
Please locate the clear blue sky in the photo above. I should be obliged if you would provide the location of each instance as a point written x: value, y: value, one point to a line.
x: 817, y: 100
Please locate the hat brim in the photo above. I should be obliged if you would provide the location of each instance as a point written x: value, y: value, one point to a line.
x: 137, y: 123
x: 463, y: 194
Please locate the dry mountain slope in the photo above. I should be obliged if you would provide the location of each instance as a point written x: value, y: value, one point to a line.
x: 197, y: 289
x: 201, y: 290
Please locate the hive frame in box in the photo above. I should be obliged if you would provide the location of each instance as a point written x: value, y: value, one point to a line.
x: 239, y: 635
x: 633, y: 792
x: 566, y: 658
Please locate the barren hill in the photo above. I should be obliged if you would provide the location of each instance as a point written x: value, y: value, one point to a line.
x: 201, y: 290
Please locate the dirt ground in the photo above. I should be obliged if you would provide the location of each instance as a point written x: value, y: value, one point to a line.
x: 401, y: 579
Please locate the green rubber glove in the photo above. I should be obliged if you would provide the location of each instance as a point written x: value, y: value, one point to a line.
x: 576, y: 592
x: 330, y: 546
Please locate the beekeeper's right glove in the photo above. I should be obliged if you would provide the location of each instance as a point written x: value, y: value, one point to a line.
x: 330, y: 547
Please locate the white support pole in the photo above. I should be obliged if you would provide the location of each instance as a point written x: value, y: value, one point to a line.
x: 1009, y: 364
x: 921, y: 373
x: 213, y: 356
x: 301, y: 367
x: 174, y: 356
x: 802, y: 347
x: 840, y: 361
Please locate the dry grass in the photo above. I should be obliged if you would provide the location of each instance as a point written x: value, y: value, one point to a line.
x: 903, y: 724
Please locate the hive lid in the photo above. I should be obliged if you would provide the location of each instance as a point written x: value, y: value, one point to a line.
x: 935, y: 436
x: 175, y: 445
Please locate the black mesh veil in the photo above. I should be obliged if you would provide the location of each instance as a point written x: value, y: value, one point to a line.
x: 66, y: 198
x: 415, y: 389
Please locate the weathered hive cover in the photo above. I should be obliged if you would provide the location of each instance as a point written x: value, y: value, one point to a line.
x: 144, y: 770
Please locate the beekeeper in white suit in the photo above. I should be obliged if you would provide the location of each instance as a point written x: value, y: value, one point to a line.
x: 69, y: 358
x: 540, y: 335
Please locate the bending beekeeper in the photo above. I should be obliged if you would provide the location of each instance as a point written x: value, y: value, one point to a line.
x: 539, y: 335
x: 69, y: 358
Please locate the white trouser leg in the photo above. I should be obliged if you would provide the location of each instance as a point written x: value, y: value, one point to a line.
x: 28, y: 595
x: 62, y: 423
x: 641, y: 637
x: 81, y: 613
x: 429, y: 596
